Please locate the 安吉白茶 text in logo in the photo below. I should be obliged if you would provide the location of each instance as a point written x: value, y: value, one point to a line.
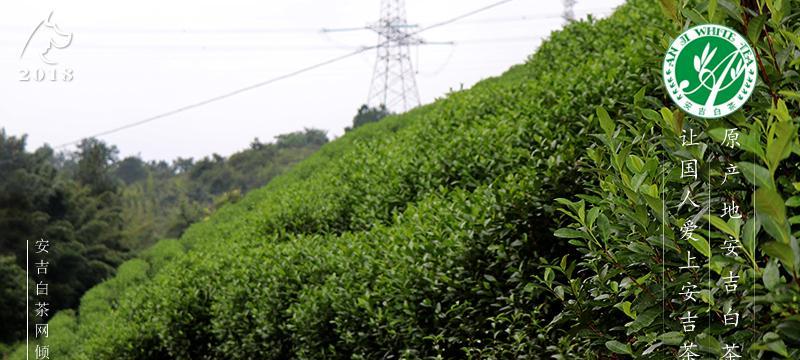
x: 710, y: 71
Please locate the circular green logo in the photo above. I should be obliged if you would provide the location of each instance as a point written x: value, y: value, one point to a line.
x: 710, y: 71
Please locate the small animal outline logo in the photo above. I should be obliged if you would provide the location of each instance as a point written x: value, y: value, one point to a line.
x: 57, y: 39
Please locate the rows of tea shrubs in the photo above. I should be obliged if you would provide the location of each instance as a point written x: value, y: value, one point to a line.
x: 426, y: 235
x: 415, y: 237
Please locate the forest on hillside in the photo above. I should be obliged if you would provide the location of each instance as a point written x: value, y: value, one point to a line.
x: 99, y: 210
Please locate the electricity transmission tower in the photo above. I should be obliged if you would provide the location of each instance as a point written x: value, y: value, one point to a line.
x: 569, y: 10
x: 394, y: 81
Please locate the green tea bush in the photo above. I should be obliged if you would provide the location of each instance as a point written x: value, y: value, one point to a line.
x: 438, y: 233
x: 622, y: 292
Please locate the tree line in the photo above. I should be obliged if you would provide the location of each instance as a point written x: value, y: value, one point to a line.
x: 98, y: 210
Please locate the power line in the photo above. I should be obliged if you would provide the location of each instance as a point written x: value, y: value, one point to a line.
x: 277, y: 30
x: 462, y: 16
x: 276, y: 79
x: 394, y: 82
x: 213, y: 47
x: 530, y: 39
x: 118, y: 30
x: 537, y: 17
x: 216, y: 98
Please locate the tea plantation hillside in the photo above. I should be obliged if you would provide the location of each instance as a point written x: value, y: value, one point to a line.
x: 457, y: 230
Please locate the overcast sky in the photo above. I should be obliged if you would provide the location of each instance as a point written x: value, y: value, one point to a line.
x: 133, y: 60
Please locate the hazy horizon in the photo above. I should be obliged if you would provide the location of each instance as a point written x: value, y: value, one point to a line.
x: 133, y: 61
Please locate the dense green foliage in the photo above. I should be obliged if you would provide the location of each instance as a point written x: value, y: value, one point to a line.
x: 79, y: 215
x: 414, y: 236
x: 623, y: 291
x: 512, y: 220
x: 161, y: 200
x: 12, y: 299
x: 98, y: 211
x: 366, y: 115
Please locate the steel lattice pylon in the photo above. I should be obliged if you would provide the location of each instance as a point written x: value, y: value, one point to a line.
x: 569, y: 10
x: 394, y: 81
